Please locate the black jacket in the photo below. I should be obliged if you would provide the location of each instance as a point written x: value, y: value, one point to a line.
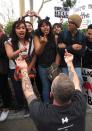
x: 67, y: 38
x: 4, y: 62
x: 87, y: 60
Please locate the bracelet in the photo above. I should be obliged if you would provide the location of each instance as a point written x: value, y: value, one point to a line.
x: 24, y: 68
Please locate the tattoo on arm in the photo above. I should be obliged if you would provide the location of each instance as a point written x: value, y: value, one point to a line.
x: 71, y: 74
x: 74, y: 77
x: 27, y: 87
x: 30, y: 98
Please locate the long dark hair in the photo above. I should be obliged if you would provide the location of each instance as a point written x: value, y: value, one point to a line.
x: 13, y: 35
x: 40, y: 33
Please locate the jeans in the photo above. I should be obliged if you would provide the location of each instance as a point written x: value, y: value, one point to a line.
x: 46, y: 84
x: 78, y: 71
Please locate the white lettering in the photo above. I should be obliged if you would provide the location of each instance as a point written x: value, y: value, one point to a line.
x: 64, y: 120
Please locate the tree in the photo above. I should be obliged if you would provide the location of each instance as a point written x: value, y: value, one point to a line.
x: 64, y: 25
x: 69, y: 3
x: 8, y: 27
x: 42, y: 4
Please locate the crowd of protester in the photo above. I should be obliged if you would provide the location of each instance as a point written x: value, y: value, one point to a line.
x: 40, y: 48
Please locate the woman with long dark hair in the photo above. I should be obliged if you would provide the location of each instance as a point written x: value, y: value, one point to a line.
x: 45, y: 48
x: 19, y: 43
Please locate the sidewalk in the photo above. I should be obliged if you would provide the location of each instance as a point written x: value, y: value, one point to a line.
x: 16, y: 115
x: 23, y: 124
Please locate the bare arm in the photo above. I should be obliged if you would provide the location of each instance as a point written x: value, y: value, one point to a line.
x: 27, y: 86
x: 31, y: 14
x: 72, y: 73
x: 26, y: 83
x: 10, y: 52
x: 73, y: 76
x: 39, y: 44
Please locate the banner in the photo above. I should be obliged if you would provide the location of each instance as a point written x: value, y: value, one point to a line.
x: 85, y: 11
x: 87, y: 86
x: 61, y: 12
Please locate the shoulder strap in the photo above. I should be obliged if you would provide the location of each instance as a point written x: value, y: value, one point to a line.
x: 80, y: 36
x: 30, y: 44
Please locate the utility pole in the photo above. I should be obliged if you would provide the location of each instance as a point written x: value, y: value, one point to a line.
x: 22, y: 7
x: 31, y: 8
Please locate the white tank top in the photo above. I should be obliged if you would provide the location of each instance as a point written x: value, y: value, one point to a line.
x: 12, y: 65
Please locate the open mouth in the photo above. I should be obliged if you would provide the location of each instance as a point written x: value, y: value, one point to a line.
x: 21, y: 34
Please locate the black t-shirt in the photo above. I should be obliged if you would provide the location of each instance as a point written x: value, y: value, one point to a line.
x: 47, y: 57
x: 49, y: 117
x: 4, y: 61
